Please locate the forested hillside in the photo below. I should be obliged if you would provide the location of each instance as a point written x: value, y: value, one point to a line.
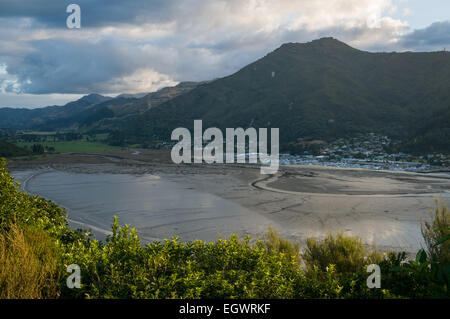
x: 325, y: 90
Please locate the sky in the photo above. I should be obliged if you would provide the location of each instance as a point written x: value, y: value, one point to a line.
x: 139, y: 46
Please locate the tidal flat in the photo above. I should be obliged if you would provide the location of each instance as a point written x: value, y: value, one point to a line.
x: 205, y: 202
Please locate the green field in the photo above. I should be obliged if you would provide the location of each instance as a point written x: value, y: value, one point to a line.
x: 72, y: 146
x: 87, y: 144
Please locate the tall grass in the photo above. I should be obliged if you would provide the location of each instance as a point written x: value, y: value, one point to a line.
x: 434, y: 230
x: 28, y: 264
x: 347, y: 253
x: 273, y: 242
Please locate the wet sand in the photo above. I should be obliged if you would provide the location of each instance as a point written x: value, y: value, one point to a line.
x: 159, y: 206
x: 383, y: 208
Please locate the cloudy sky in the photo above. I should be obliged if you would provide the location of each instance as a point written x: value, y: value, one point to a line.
x: 142, y: 45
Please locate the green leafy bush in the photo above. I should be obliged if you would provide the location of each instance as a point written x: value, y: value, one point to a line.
x: 34, y: 237
x: 19, y: 207
x: 347, y: 253
x: 273, y: 242
x: 228, y: 268
x: 437, y: 232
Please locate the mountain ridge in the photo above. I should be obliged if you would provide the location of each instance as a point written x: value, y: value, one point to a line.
x: 323, y: 89
x: 90, y: 111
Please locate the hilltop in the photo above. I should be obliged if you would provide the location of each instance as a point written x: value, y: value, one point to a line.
x: 324, y: 90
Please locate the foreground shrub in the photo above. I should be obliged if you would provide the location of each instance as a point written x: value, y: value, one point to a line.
x: 28, y: 264
x: 21, y: 208
x: 36, y: 246
x: 435, y: 231
x: 231, y: 268
x: 227, y: 268
x: 273, y: 242
x: 348, y: 254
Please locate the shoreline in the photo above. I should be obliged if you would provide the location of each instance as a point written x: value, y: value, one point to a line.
x: 262, y: 184
x: 388, y: 219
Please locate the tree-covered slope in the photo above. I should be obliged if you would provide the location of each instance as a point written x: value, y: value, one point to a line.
x: 50, y: 117
x: 323, y: 89
x: 10, y: 150
x: 119, y: 112
x: 91, y: 112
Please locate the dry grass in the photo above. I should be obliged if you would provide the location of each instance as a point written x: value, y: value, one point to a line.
x: 28, y: 264
x: 273, y: 242
x: 347, y: 253
x: 436, y: 229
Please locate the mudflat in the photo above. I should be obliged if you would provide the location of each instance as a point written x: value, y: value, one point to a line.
x: 383, y: 208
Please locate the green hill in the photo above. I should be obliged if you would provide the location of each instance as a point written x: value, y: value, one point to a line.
x: 324, y: 89
x: 117, y: 113
x: 11, y: 150
x: 50, y: 117
x: 92, y: 112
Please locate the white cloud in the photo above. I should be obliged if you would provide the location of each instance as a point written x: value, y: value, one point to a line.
x: 140, y: 45
x: 8, y: 82
x: 142, y: 80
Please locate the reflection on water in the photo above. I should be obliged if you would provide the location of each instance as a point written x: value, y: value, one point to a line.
x: 168, y: 205
x: 157, y: 207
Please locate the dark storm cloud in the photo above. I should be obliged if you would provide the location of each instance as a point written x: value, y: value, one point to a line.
x: 94, y: 13
x: 433, y: 37
x: 76, y: 66
x: 71, y: 66
x: 135, y: 45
